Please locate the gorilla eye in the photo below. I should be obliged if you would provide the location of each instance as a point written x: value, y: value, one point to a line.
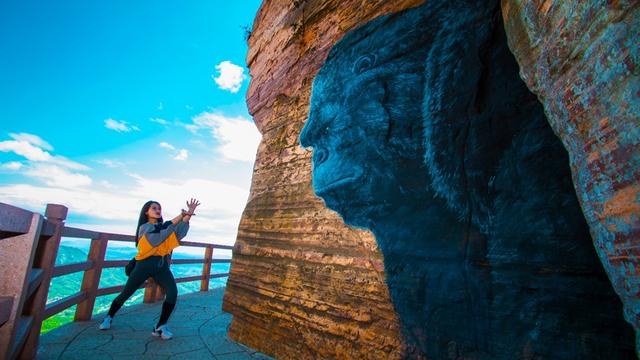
x: 364, y: 63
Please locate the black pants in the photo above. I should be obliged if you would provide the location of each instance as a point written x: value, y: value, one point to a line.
x: 156, y: 267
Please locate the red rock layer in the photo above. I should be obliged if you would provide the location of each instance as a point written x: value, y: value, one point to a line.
x: 582, y: 59
x: 302, y: 284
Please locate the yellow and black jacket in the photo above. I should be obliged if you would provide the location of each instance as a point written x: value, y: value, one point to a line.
x: 160, y: 239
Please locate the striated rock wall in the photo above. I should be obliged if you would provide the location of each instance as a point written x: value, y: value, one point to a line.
x: 582, y: 60
x: 303, y: 284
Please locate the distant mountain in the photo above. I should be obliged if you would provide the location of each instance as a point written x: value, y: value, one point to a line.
x: 70, y: 255
x: 68, y: 285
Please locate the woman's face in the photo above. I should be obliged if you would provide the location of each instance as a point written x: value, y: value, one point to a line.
x: 155, y: 211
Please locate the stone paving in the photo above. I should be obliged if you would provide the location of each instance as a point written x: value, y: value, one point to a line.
x: 198, y: 324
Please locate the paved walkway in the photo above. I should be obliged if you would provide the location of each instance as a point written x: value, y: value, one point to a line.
x: 198, y: 324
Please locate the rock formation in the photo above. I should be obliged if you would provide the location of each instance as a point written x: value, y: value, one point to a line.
x: 424, y: 133
x: 481, y: 250
x: 582, y: 60
x: 303, y: 284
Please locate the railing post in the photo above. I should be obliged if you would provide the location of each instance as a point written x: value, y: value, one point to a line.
x: 159, y: 293
x: 150, y: 292
x: 91, y: 279
x: 16, y: 258
x: 45, y: 259
x: 206, y: 268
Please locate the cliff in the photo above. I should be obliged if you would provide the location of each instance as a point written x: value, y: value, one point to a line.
x: 424, y: 133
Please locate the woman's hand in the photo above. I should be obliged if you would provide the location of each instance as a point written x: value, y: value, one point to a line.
x: 191, y: 205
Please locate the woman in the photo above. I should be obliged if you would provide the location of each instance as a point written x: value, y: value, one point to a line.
x: 155, y: 240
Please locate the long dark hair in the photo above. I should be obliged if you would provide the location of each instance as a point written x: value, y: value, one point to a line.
x: 143, y: 219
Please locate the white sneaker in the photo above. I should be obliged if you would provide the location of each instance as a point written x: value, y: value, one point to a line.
x: 163, y: 332
x: 106, y: 323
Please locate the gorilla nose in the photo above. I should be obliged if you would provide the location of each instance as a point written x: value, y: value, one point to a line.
x: 319, y: 156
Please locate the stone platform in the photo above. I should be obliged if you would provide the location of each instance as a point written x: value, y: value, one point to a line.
x: 198, y: 323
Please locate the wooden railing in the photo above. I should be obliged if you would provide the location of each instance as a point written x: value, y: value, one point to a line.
x: 29, y: 245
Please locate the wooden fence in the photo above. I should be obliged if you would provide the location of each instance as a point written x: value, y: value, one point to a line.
x: 28, y: 248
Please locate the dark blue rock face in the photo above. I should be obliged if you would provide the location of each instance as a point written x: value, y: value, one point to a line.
x: 423, y: 132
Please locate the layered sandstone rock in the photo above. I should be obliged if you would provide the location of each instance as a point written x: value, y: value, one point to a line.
x: 303, y: 284
x: 582, y: 60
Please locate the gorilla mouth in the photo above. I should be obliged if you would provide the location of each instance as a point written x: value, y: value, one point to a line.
x: 342, y: 181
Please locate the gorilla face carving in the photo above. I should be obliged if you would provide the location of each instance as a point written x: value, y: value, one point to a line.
x: 364, y: 126
x: 340, y: 122
x: 379, y: 115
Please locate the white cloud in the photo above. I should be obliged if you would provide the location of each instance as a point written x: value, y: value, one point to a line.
x: 238, y: 137
x: 54, y: 175
x: 182, y: 155
x: 97, y: 204
x: 13, y: 165
x: 61, y: 160
x: 32, y: 139
x: 111, y: 163
x: 31, y: 151
x: 198, y: 143
x: 160, y: 106
x: 216, y: 221
x: 191, y: 127
x: 117, y: 206
x: 230, y: 76
x: 219, y: 200
x: 25, y: 149
x: 52, y: 170
x: 107, y: 184
x: 166, y: 145
x: 216, y: 197
x: 159, y: 121
x: 119, y: 126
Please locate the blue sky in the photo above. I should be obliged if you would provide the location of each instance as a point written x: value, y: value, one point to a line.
x: 104, y: 105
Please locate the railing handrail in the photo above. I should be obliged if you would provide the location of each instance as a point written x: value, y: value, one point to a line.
x: 15, y: 221
x: 72, y: 232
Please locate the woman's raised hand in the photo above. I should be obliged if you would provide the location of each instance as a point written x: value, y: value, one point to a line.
x: 191, y: 205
